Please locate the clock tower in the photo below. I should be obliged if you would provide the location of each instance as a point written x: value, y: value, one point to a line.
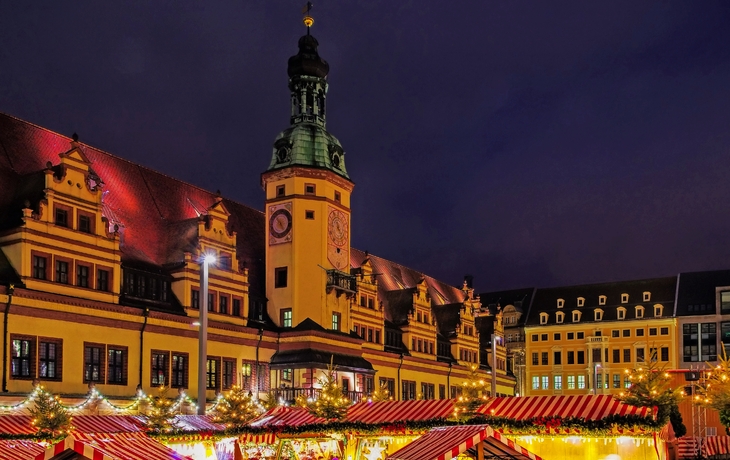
x: 307, y: 205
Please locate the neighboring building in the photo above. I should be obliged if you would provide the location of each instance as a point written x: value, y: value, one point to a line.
x: 100, y: 263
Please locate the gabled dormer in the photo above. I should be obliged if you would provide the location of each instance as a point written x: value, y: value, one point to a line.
x: 214, y: 236
x: 366, y: 311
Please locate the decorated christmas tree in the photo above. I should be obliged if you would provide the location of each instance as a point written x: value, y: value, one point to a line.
x: 161, y: 411
x: 474, y: 393
x: 651, y: 386
x: 331, y: 404
x: 50, y: 417
x: 714, y: 390
x: 381, y: 394
x: 237, y: 407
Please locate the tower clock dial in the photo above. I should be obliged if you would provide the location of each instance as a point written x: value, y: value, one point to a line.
x: 280, y: 224
x: 338, y: 228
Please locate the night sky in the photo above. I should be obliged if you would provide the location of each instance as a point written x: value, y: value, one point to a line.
x: 525, y: 143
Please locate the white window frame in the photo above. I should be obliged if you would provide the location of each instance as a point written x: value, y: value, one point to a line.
x: 624, y: 298
x: 621, y: 313
x: 646, y: 296
x: 639, y: 311
x: 543, y: 318
x: 558, y: 382
x: 576, y: 316
x: 601, y: 300
x: 598, y: 314
x: 559, y: 317
x: 658, y: 310
x: 561, y: 303
x: 535, y: 382
x: 581, y: 301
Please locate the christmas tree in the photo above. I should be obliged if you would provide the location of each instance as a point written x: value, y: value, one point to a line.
x: 331, y: 404
x: 714, y: 390
x: 49, y: 416
x: 474, y: 393
x: 237, y: 407
x: 161, y: 411
x: 651, y: 386
x: 382, y: 394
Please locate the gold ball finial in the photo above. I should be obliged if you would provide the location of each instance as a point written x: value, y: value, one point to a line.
x: 308, y: 21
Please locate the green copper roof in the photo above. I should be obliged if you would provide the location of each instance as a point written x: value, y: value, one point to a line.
x: 308, y: 144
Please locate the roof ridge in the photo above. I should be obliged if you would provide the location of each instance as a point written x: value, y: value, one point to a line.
x: 126, y: 160
x: 672, y: 277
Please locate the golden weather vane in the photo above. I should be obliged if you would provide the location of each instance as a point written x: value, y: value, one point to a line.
x: 308, y: 19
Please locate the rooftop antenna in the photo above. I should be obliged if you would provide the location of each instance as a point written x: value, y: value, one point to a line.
x: 308, y: 19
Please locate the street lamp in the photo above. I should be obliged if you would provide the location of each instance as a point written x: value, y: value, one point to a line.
x: 203, y: 333
x: 595, y: 376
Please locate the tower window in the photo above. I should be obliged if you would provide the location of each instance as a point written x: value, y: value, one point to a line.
x: 286, y: 318
x: 309, y: 189
x: 338, y: 197
x: 336, y: 321
x: 309, y: 215
x: 280, y: 190
x: 280, y: 277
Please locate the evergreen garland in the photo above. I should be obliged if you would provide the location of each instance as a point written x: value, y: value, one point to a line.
x: 237, y: 407
x: 50, y: 417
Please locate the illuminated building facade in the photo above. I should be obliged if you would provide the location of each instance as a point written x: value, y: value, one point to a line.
x: 100, y: 276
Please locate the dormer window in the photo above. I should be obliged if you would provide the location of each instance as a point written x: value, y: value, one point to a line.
x: 621, y: 313
x: 639, y: 311
x: 658, y: 309
x: 581, y: 301
x: 647, y: 296
x: 576, y: 316
x: 61, y: 218
x: 624, y: 298
x: 559, y: 317
x: 543, y: 318
x: 601, y: 300
x: 598, y: 314
x: 561, y: 303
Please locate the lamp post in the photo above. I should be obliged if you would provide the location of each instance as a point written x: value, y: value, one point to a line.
x: 595, y: 376
x: 203, y: 334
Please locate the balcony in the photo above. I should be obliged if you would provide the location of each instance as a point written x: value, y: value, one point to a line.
x: 341, y: 282
x: 291, y: 394
x: 597, y: 340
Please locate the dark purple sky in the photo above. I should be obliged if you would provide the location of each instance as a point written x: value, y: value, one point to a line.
x: 526, y: 143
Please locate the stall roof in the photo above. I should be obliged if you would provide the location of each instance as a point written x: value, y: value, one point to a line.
x: 445, y: 443
x: 395, y: 411
x: 20, y: 449
x: 111, y: 446
x: 588, y: 407
x: 289, y: 416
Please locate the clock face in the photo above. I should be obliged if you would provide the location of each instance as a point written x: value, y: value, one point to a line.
x: 280, y: 223
x: 338, y: 228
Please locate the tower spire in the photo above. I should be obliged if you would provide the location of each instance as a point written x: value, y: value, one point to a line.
x: 308, y: 19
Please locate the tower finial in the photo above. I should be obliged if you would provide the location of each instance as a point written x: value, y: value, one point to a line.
x: 308, y: 19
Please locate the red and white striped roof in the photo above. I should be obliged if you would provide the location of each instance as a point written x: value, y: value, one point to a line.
x: 106, y: 424
x: 588, y: 407
x: 16, y: 424
x: 17, y: 449
x: 117, y: 446
x: 198, y: 423
x: 289, y: 416
x: 396, y: 411
x: 261, y: 438
x: 445, y: 443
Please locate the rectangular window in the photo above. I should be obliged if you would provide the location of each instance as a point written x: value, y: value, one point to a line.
x: 179, y: 377
x: 664, y: 331
x: 581, y: 357
x: 640, y: 355
x: 665, y: 354
x: 236, y: 310
x: 261, y: 377
x: 49, y: 359
x: 62, y: 217
x: 195, y: 299
x: 286, y: 318
x: 615, y: 333
x: 388, y: 385
x: 212, y: 369
x: 102, y: 280
x: 223, y: 305
x: 310, y: 189
x: 626, y: 332
x: 545, y: 382
x: 581, y: 382
x: 627, y: 355
x: 556, y: 336
x: 22, y: 358
x: 544, y: 337
x: 117, y: 365
x: 570, y: 335
x: 427, y: 391
x: 580, y: 335
x: 229, y: 373
x: 159, y: 368
x: 557, y: 358
x: 627, y: 381
x: 377, y: 340
x: 596, y: 355
x: 39, y: 268
x: 211, y: 301
x: 571, y: 357
x: 616, y: 381
x: 544, y: 358
x: 62, y: 271
x: 338, y: 198
x: 82, y: 276
x: 336, y: 325
x: 246, y: 376
x: 94, y: 363
x: 535, y: 359
x: 617, y: 356
x: 442, y: 391
x: 599, y: 380
x: 652, y: 331
x: 280, y: 277
x: 280, y: 190
x: 640, y: 333
x: 84, y: 223
x: 535, y: 382
x: 558, y: 382
x: 309, y: 215
x: 653, y: 355
x: 534, y: 337
x: 409, y: 390
x: 725, y: 302
x: 571, y: 382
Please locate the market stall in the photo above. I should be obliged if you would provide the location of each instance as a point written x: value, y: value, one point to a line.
x: 110, y: 446
x: 445, y: 443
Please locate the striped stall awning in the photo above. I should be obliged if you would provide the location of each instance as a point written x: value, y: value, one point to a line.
x: 261, y: 438
x: 395, y: 411
x: 289, y: 416
x: 445, y: 443
x: 106, y: 424
x: 112, y: 446
x: 198, y: 423
x: 716, y: 445
x: 16, y: 424
x: 20, y: 449
x: 588, y: 407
